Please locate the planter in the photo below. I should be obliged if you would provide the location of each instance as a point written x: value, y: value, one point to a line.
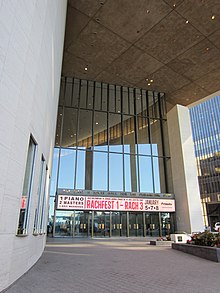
x: 161, y: 243
x: 210, y: 253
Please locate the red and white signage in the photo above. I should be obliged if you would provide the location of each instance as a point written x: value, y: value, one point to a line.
x: 73, y: 202
x: 23, y: 202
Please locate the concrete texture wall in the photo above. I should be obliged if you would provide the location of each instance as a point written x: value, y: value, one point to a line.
x: 185, y: 181
x: 31, y: 48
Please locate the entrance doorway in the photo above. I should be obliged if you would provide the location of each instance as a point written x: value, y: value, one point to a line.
x: 112, y: 224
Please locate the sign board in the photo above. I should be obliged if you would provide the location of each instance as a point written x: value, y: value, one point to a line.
x: 23, y: 202
x: 91, y: 203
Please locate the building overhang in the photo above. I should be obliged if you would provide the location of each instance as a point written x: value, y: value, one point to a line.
x: 170, y: 46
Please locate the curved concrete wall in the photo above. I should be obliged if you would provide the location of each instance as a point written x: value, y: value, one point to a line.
x: 31, y: 48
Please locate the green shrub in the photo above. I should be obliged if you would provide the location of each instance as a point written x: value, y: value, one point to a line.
x: 206, y: 239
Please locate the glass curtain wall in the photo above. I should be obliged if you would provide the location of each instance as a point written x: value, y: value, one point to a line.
x: 206, y: 136
x: 110, y: 138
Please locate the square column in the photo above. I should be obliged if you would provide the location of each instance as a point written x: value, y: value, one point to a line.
x: 184, y: 173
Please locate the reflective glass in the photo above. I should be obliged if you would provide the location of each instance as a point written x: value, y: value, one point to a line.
x: 69, y: 127
x: 145, y: 174
x: 68, y: 90
x: 156, y: 175
x: 100, y: 129
x: 27, y: 189
x: 126, y: 102
x: 80, y: 170
x: 143, y: 136
x: 115, y: 138
x: 85, y: 129
x: 115, y: 172
x: 156, y: 135
x: 115, y: 99
x: 129, y: 134
x: 84, y: 94
x: 100, y: 173
x: 76, y: 93
x: 53, y: 181
x: 67, y: 168
x: 131, y: 173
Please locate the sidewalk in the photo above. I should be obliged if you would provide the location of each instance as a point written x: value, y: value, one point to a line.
x: 117, y: 265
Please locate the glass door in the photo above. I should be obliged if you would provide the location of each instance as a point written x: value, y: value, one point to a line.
x: 101, y: 224
x: 152, y: 224
x: 116, y: 223
x: 135, y: 224
x: 80, y: 223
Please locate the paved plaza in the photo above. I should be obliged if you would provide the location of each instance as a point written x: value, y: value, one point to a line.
x: 117, y: 265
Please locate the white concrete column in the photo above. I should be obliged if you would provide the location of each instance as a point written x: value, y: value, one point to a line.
x: 183, y: 163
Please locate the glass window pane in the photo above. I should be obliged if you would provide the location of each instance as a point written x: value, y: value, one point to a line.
x: 83, y: 94
x: 129, y: 134
x: 98, y: 102
x: 138, y: 99
x: 89, y: 104
x: 100, y: 129
x: 115, y: 138
x: 75, y: 98
x: 59, y: 124
x: 68, y: 92
x: 51, y: 209
x: 145, y: 174
x: 156, y: 175
x: 41, y: 186
x: 100, y: 173
x: 27, y: 188
x: 131, y: 173
x: 125, y: 97
x: 159, y: 178
x: 42, y: 219
x: 156, y: 137
x: 69, y: 128
x: 53, y: 182
x: 143, y: 136
x: 80, y: 170
x: 104, y: 97
x: 85, y: 129
x: 67, y: 169
x: 115, y: 172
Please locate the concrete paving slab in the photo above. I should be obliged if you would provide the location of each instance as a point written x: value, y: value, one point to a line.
x: 124, y: 265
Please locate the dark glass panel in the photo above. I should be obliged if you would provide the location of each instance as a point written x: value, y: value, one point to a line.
x: 115, y: 137
x: 100, y: 131
x: 144, y: 147
x: 129, y: 134
x: 156, y: 137
x: 69, y: 127
x: 85, y: 129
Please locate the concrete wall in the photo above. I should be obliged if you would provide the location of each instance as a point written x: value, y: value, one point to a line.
x: 183, y: 163
x: 31, y: 48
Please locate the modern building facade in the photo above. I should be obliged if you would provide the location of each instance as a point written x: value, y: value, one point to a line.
x: 111, y: 141
x: 123, y: 159
x: 206, y: 137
